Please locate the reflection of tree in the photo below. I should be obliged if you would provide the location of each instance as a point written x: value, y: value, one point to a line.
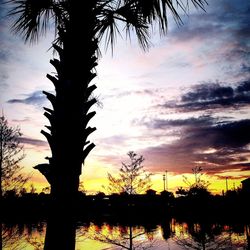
x: 167, y: 229
x: 36, y: 242
x: 10, y: 237
x: 126, y: 237
x: 247, y: 231
x: 204, y: 236
x: 132, y: 180
x: 21, y: 236
x: 35, y: 236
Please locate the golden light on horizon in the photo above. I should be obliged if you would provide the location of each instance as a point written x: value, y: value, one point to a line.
x: 97, y: 183
x: 94, y: 175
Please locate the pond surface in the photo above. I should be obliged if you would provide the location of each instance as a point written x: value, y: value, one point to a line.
x: 169, y: 234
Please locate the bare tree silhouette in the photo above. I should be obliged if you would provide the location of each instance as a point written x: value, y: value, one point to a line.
x: 132, y: 177
x: 10, y: 238
x: 11, y: 153
x: 197, y: 188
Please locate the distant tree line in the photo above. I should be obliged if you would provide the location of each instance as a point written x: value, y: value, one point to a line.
x: 191, y: 203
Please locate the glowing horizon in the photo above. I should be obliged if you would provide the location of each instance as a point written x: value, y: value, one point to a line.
x: 96, y: 183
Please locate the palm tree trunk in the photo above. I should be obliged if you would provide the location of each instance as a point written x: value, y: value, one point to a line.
x: 69, y: 124
x: 68, y: 140
x: 60, y: 232
x: 70, y: 115
x: 69, y: 131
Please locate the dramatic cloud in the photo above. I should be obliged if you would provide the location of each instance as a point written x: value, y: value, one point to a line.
x: 208, y: 96
x: 217, y: 142
x: 35, y: 98
x: 211, y: 142
x: 166, y: 124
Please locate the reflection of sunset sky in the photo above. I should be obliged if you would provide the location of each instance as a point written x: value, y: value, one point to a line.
x: 179, y: 232
x: 183, y: 103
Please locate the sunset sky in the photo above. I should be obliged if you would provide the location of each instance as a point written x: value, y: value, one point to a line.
x: 183, y: 103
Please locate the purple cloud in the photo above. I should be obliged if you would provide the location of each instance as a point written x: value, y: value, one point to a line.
x: 211, y: 96
x: 215, y: 144
x: 35, y: 98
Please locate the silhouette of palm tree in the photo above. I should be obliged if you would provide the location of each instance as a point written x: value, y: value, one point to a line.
x: 79, y: 27
x: 78, y: 54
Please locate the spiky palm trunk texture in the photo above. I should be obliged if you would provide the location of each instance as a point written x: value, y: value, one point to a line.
x: 69, y: 120
x: 70, y: 115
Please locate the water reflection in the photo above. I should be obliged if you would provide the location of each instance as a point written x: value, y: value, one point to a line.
x: 23, y: 235
x: 167, y: 234
x: 211, y: 236
x: 124, y: 236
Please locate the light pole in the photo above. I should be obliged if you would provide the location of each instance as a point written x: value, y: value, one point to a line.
x: 226, y: 184
x: 164, y: 178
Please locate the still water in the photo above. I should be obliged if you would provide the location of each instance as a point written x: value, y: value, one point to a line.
x: 169, y: 234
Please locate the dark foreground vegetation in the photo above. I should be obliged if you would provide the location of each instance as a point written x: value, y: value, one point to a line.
x: 233, y: 205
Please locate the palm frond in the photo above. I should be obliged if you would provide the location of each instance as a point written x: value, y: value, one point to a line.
x: 111, y: 17
x: 138, y: 16
x: 33, y: 17
x: 107, y: 27
x: 199, y: 4
x: 134, y: 21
